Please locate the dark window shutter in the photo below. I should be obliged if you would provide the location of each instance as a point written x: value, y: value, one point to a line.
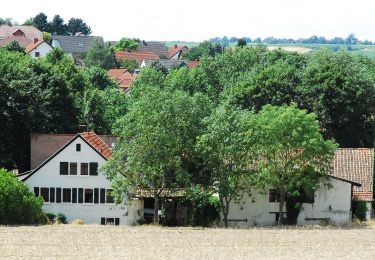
x: 78, y: 147
x: 36, y: 191
x: 102, y: 221
x: 96, y: 195
x: 74, y: 195
x: 93, y: 168
x: 117, y: 221
x: 102, y: 196
x: 51, y: 194
x: 64, y: 168
x: 80, y: 195
x: 58, y: 195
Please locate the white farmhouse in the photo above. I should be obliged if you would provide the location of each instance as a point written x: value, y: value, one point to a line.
x: 38, y: 49
x: 70, y: 183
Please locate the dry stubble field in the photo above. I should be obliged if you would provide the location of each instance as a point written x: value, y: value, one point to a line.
x: 147, y: 242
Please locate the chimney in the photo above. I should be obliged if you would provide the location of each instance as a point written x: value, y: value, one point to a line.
x: 83, y: 128
x: 35, y: 40
x: 175, y: 46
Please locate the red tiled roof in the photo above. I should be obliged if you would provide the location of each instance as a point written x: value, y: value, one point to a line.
x: 174, y: 50
x: 29, y: 31
x: 193, y: 63
x: 356, y: 165
x: 20, y: 39
x: 32, y: 45
x: 136, y: 55
x: 123, y: 77
x: 97, y: 143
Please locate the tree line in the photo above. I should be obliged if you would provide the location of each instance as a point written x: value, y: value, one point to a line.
x: 349, y: 40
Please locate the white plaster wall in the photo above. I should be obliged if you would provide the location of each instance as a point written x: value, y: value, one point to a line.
x: 334, y: 203
x: 43, y: 49
x: 49, y: 176
x: 176, y: 56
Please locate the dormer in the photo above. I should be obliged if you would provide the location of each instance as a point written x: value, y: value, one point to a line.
x: 19, y: 32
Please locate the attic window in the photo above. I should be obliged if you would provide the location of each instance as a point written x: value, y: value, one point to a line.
x: 78, y: 147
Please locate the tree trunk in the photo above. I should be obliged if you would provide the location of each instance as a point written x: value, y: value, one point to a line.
x: 225, y: 210
x: 156, y: 208
x: 281, y: 206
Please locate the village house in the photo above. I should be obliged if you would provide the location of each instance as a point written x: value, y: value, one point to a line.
x: 38, y: 49
x: 175, y: 52
x: 123, y: 77
x: 351, y: 179
x: 158, y: 48
x: 70, y: 182
x: 73, y: 45
x: 138, y: 56
x: 165, y: 63
x: 23, y: 34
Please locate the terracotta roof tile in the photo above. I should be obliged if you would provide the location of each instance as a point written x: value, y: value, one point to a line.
x: 139, y: 56
x: 97, y: 143
x: 172, y: 51
x: 29, y: 31
x: 20, y: 39
x: 123, y: 77
x: 356, y: 165
x: 33, y: 45
x: 193, y: 63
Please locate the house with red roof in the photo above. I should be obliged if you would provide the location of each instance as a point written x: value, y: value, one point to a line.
x: 38, y: 48
x: 70, y: 182
x: 176, y: 51
x: 23, y: 34
x: 139, y: 56
x: 123, y: 77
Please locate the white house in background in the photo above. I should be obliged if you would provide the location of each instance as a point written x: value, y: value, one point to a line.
x: 38, y: 49
x: 333, y: 205
x: 70, y: 183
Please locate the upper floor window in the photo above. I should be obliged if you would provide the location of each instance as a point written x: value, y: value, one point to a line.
x: 93, y: 168
x: 274, y: 195
x: 84, y: 168
x: 78, y: 147
x: 64, y: 168
x: 73, y: 168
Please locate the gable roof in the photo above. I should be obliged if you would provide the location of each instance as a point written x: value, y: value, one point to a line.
x: 139, y: 56
x: 158, y: 48
x: 29, y: 31
x: 89, y: 138
x: 123, y: 77
x: 356, y: 165
x: 193, y: 63
x: 20, y: 39
x: 172, y: 51
x: 73, y: 44
x: 32, y: 46
x: 168, y: 64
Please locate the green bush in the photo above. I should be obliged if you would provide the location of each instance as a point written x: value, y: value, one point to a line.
x: 61, y: 218
x: 50, y: 217
x: 359, y: 209
x: 18, y: 205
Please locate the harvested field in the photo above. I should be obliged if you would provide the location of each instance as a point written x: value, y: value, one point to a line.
x: 106, y: 242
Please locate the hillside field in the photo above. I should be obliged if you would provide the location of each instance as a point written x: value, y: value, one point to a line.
x: 147, y: 242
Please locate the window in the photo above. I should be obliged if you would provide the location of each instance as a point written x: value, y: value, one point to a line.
x: 78, y: 147
x: 51, y: 194
x: 73, y: 168
x: 58, y: 195
x: 67, y: 195
x: 84, y: 168
x: 64, y: 168
x: 44, y: 192
x: 93, y: 168
x: 109, y: 198
x: 102, y: 196
x: 89, y: 194
x: 74, y: 195
x: 96, y: 195
x: 274, y: 195
x: 37, y: 54
x: 36, y: 191
x: 80, y: 195
x: 306, y: 196
x: 110, y: 221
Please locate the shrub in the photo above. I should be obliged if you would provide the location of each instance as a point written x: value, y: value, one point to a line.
x: 18, y: 205
x: 61, y: 218
x: 50, y: 217
x: 78, y: 222
x: 359, y: 209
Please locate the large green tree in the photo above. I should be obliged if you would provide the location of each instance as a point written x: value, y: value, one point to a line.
x: 76, y: 25
x: 157, y: 138
x: 227, y: 155
x: 57, y: 26
x: 100, y: 55
x: 40, y: 22
x: 291, y: 152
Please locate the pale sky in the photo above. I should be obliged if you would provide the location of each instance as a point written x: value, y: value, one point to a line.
x: 197, y: 20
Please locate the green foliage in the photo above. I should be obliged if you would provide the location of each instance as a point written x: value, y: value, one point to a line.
x: 61, y: 218
x: 205, y: 48
x: 340, y: 89
x: 126, y: 44
x: 50, y: 217
x: 241, y: 42
x: 17, y: 204
x: 57, y: 26
x: 98, y: 78
x: 76, y: 25
x: 94, y: 112
x: 15, y: 47
x: 205, y: 207
x: 130, y: 65
x: 100, y: 55
x: 47, y: 37
x: 227, y: 154
x: 359, y: 209
x: 8, y: 21
x: 40, y: 22
x: 291, y: 152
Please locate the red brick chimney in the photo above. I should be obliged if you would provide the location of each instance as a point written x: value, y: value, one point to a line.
x: 35, y: 40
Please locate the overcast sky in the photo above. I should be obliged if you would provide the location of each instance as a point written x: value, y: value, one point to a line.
x: 196, y: 20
